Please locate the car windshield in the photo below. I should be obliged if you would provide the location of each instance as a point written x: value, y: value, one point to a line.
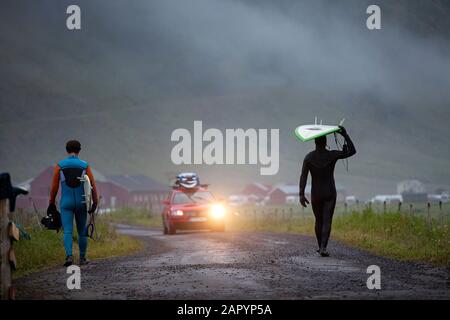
x: 193, y: 197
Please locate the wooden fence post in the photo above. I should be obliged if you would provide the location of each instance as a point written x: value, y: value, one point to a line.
x: 410, y: 209
x: 19, y: 215
x: 399, y: 206
x: 5, y: 271
x: 384, y: 207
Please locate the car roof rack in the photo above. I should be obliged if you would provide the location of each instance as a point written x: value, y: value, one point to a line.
x: 178, y: 187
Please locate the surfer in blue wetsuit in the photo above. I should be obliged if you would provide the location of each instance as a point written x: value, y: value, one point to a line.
x: 320, y: 163
x: 68, y: 173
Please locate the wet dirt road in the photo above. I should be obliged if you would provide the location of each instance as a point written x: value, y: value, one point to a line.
x: 238, y: 265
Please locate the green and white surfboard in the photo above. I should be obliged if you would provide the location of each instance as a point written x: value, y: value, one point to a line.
x: 312, y: 131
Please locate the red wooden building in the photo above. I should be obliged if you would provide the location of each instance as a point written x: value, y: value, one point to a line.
x: 256, y: 192
x: 137, y: 191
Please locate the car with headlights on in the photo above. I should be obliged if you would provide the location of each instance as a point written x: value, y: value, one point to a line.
x: 192, y: 208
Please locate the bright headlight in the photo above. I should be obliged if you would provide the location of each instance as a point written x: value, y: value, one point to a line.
x: 217, y: 211
x: 177, y: 212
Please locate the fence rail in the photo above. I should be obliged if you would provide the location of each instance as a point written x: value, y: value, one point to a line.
x: 431, y: 210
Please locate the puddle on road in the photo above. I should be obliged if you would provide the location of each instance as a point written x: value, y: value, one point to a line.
x: 127, y: 230
x: 275, y: 242
x: 326, y: 264
x: 187, y: 249
x: 196, y: 256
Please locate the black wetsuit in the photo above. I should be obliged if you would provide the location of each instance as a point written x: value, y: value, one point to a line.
x: 320, y: 163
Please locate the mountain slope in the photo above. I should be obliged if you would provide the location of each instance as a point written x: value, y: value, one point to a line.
x: 136, y: 72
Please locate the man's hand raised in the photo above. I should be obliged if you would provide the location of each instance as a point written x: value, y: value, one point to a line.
x: 342, y: 131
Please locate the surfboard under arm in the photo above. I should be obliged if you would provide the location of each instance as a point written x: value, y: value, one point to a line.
x: 87, y: 191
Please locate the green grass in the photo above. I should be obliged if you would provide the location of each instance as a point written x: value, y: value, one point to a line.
x: 395, y: 235
x: 45, y: 249
x: 136, y: 217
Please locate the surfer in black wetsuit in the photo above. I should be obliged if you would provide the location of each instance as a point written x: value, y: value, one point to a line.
x: 320, y: 163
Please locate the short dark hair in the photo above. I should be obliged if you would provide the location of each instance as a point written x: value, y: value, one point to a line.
x: 321, y: 141
x: 73, y: 146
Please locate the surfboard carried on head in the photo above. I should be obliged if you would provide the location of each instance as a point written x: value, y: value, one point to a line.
x: 313, y: 131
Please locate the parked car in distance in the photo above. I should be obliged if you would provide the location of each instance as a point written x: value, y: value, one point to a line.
x: 390, y: 198
x: 444, y: 197
x: 351, y: 199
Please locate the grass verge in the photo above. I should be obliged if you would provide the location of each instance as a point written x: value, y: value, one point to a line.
x: 45, y: 249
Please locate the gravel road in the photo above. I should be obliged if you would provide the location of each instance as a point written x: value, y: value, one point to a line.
x: 238, y: 265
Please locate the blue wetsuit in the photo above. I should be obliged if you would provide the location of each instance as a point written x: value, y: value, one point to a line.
x: 69, y: 171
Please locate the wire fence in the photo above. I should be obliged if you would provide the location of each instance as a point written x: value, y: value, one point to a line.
x: 432, y: 210
x: 28, y: 218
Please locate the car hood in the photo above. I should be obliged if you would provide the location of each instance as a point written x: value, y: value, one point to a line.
x: 191, y: 207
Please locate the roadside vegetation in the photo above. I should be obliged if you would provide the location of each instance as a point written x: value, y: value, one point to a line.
x: 45, y: 249
x: 397, y: 235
